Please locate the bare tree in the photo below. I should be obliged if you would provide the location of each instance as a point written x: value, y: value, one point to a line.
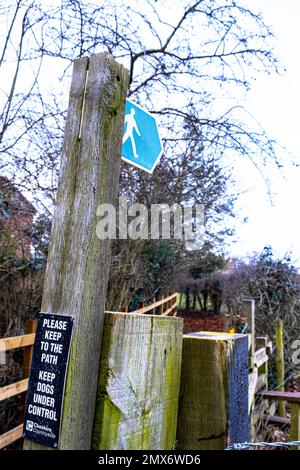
x: 181, y: 68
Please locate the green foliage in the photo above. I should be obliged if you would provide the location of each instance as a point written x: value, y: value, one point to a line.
x: 40, y: 235
x: 21, y: 277
x: 160, y: 259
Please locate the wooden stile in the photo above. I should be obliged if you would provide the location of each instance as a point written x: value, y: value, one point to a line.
x: 78, y: 261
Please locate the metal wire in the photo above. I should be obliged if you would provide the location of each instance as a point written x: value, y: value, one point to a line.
x: 248, y: 445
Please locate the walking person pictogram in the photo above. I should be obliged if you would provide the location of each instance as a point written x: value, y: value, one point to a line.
x: 131, y: 126
x: 142, y: 145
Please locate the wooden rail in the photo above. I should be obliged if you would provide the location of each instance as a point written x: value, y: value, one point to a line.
x: 15, y: 342
x: 292, y: 397
x: 11, y: 436
x: 170, y: 299
x: 273, y: 419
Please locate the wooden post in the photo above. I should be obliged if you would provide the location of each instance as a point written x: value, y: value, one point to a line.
x: 280, y: 365
x: 295, y: 424
x: 138, y: 389
x: 249, y: 308
x: 213, y: 402
x: 30, y: 328
x: 78, y: 261
x: 161, y: 309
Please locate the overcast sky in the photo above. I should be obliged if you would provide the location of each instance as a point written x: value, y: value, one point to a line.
x: 275, y: 102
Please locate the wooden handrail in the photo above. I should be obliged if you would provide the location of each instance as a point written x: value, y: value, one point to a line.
x: 15, y: 342
x: 169, y: 310
x: 274, y: 419
x: 154, y: 305
x: 150, y: 307
x: 11, y: 436
x: 13, y: 389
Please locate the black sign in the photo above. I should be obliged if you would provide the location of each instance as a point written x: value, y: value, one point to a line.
x: 47, y: 379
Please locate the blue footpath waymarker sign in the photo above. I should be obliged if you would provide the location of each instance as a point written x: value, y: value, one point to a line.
x: 142, y: 145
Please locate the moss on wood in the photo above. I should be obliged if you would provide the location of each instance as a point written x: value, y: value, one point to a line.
x: 142, y: 354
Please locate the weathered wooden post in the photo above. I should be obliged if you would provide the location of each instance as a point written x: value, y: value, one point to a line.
x: 138, y: 389
x: 78, y: 261
x: 213, y: 402
x: 249, y: 309
x: 280, y: 365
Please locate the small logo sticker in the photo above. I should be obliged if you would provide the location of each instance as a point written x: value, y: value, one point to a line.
x: 29, y: 425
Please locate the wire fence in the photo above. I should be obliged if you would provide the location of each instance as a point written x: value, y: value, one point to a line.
x: 248, y: 445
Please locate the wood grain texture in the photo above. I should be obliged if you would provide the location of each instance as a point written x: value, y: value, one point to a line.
x: 213, y: 404
x: 138, y: 389
x: 78, y: 262
x: 292, y: 397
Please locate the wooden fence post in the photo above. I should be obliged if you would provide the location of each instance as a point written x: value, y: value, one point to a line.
x: 138, y: 389
x: 295, y: 424
x: 249, y: 308
x: 213, y: 402
x: 280, y: 365
x: 30, y: 328
x: 78, y: 261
